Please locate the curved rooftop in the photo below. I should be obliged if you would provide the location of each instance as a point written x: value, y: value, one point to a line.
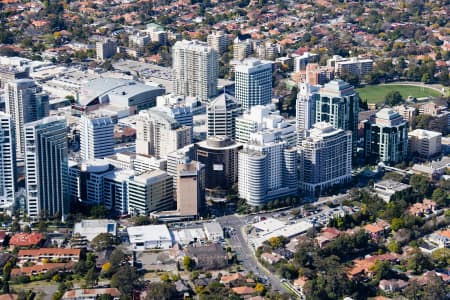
x: 115, y: 88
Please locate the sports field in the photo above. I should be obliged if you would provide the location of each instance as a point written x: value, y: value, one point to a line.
x: 377, y: 93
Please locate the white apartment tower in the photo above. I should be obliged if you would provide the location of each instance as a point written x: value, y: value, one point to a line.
x: 96, y: 136
x: 267, y: 170
x: 305, y: 109
x: 218, y: 40
x: 253, y: 79
x: 7, y: 162
x: 261, y: 119
x: 195, y: 69
x: 325, y: 158
x: 46, y: 163
x: 25, y: 102
x: 158, y: 134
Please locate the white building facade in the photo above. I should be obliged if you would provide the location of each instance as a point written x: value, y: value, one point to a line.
x: 195, y: 69
x: 96, y: 136
x: 253, y: 79
x: 7, y: 162
x: 325, y: 158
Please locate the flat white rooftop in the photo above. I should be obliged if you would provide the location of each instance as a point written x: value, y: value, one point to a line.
x: 141, y: 234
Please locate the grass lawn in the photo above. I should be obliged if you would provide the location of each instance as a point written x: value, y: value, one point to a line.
x: 377, y: 93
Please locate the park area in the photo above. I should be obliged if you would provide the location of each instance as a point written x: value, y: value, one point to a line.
x: 377, y: 93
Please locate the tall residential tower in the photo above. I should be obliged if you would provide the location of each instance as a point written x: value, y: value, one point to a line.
x: 253, y: 83
x: 96, y: 136
x: 25, y: 102
x: 195, y: 69
x: 325, y: 158
x: 7, y: 161
x: 46, y: 163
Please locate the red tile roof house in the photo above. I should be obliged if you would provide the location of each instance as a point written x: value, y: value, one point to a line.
x: 244, y: 291
x: 48, y: 254
x: 233, y: 280
x: 420, y: 209
x: 42, y: 269
x: 327, y: 235
x: 88, y: 294
x: 363, y: 267
x: 26, y: 239
x: 300, y: 283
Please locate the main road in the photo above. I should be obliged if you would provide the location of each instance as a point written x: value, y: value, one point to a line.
x: 244, y: 253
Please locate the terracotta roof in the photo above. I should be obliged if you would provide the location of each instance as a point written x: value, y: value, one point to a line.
x: 231, y: 278
x: 372, y: 228
x: 301, y: 281
x: 8, y: 297
x: 49, y: 251
x: 26, y: 239
x: 445, y: 233
x: 41, y: 268
x: 243, y: 290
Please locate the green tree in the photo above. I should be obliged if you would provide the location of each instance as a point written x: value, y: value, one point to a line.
x: 104, y: 241
x: 91, y: 277
x: 188, y: 263
x: 393, y: 98
x: 98, y: 212
x: 15, y: 227
x: 440, y: 196
x: 418, y: 263
x: 116, y: 260
x: 394, y: 246
x: 275, y: 242
x: 441, y: 257
x: 435, y: 288
x: 126, y: 279
x: 26, y: 229
x: 420, y: 184
x: 397, y: 223
x: 42, y: 226
x: 161, y: 291
x: 7, y: 271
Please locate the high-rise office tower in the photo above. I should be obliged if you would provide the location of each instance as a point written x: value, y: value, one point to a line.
x: 337, y: 103
x: 219, y: 154
x: 115, y: 190
x: 96, y: 136
x: 253, y: 79
x: 149, y: 192
x: 46, y: 164
x: 325, y: 158
x: 267, y: 169
x: 195, y: 69
x: 190, y: 188
x: 7, y: 162
x: 386, y: 137
x: 222, y: 113
x: 158, y: 134
x: 218, y: 40
x: 25, y: 102
x: 305, y: 109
